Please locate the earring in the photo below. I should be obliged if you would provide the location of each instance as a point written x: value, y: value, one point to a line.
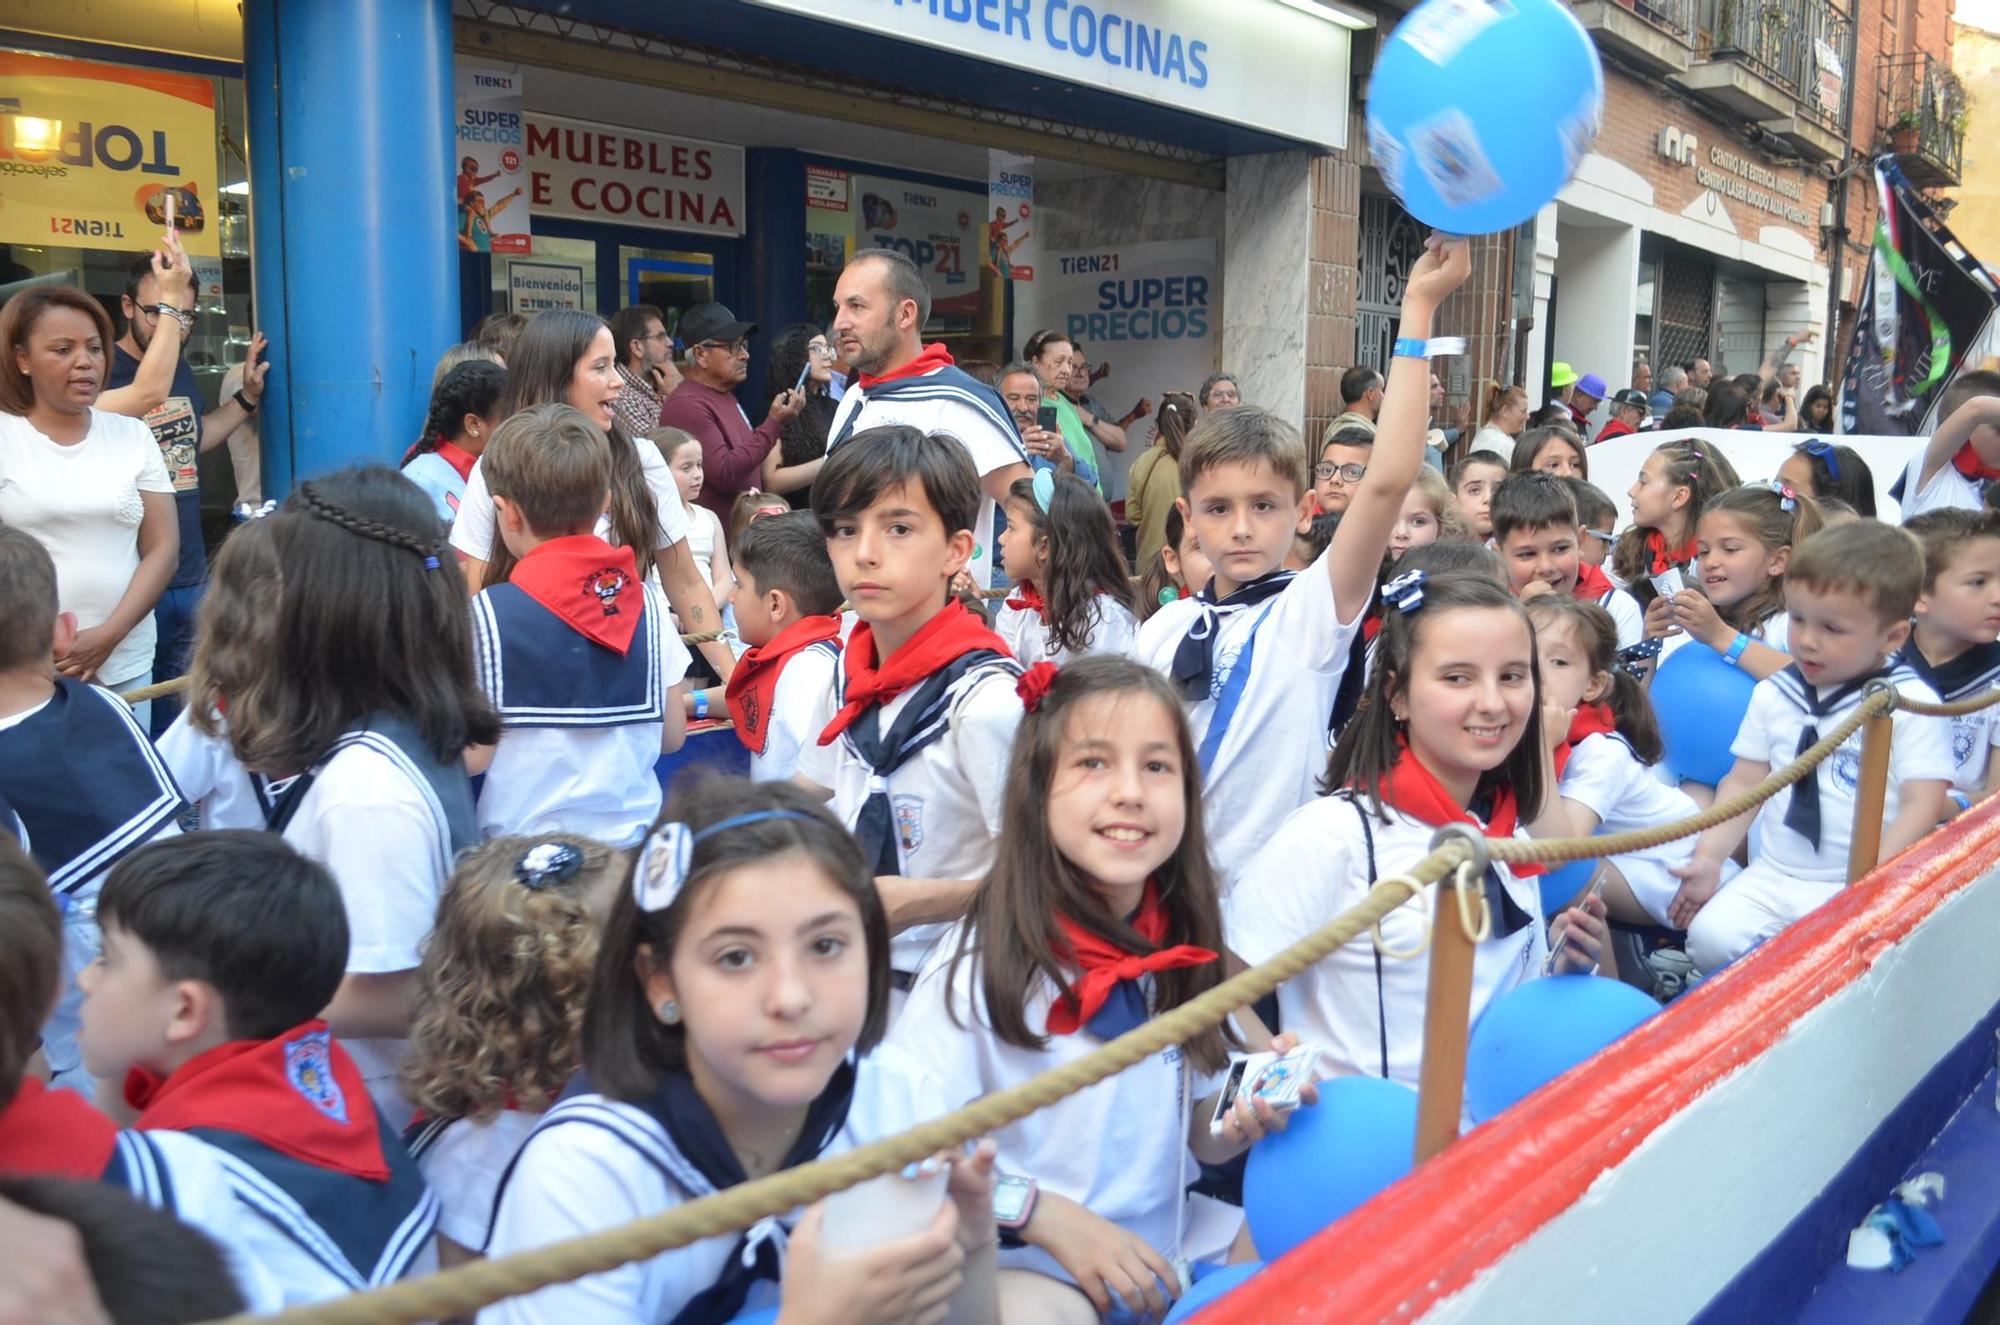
x: 670, y: 1012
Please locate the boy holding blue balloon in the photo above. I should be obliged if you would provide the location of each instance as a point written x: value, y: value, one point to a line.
x: 1849, y: 591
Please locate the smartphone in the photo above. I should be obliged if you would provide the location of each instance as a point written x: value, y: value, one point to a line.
x: 804, y: 372
x: 1045, y: 419
x: 1597, y: 883
x: 1278, y: 1079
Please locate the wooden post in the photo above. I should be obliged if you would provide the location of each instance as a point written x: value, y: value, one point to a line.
x: 1870, y: 795
x: 1447, y: 1016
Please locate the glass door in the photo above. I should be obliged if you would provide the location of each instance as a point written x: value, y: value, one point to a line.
x: 672, y: 280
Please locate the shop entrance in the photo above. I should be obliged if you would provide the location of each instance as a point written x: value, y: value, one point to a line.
x: 617, y: 266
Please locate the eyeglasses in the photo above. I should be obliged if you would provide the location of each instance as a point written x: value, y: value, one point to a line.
x: 150, y: 310
x: 819, y: 351
x: 1346, y: 473
x: 738, y: 346
x: 1604, y: 534
x: 661, y: 334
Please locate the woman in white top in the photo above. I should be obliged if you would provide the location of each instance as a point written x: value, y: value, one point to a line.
x: 90, y: 485
x: 567, y: 357
x: 1502, y: 419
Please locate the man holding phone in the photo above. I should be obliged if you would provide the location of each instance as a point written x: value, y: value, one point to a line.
x: 704, y: 406
x: 1022, y: 391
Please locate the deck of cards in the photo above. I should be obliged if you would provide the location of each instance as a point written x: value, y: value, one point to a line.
x: 1277, y: 1079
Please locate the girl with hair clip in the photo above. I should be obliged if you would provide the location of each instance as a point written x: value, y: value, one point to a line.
x: 1177, y: 570
x: 1745, y: 538
x: 566, y: 357
x: 1154, y: 483
x: 1674, y: 486
x: 499, y: 1024
x: 1604, y: 764
x: 1429, y: 513
x: 359, y: 727
x: 1071, y: 593
x: 1552, y: 448
x: 1099, y: 913
x: 740, y: 972
x: 1819, y: 469
x: 235, y: 630
x: 462, y: 416
x: 1453, y: 730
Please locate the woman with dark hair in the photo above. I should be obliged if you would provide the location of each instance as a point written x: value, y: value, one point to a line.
x: 800, y: 356
x: 1729, y: 407
x: 566, y: 357
x: 90, y: 486
x: 1816, y: 412
x: 1155, y: 481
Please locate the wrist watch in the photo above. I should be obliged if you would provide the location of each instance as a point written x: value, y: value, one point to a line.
x: 1013, y: 1206
x: 249, y: 405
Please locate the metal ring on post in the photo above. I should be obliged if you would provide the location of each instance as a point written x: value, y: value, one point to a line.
x: 1469, y: 872
x: 1416, y: 891
x: 1883, y: 685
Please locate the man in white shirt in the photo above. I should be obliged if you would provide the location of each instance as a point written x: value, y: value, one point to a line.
x: 881, y: 304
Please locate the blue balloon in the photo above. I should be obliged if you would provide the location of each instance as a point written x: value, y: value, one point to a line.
x: 1332, y: 1157
x: 1534, y: 1034
x: 1209, y: 1287
x: 1560, y: 886
x: 1700, y: 701
x: 1470, y: 145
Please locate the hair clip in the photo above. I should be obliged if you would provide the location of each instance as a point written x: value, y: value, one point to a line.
x: 1788, y: 500
x: 431, y: 562
x: 1826, y: 452
x: 547, y: 862
x: 1034, y: 683
x: 1405, y: 593
x: 661, y: 870
x: 246, y: 511
x: 1044, y: 488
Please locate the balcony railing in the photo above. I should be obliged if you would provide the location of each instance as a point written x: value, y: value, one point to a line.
x: 1801, y: 46
x: 1673, y: 17
x: 1921, y: 113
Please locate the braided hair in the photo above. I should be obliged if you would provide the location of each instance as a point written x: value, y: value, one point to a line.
x: 372, y: 620
x: 470, y: 388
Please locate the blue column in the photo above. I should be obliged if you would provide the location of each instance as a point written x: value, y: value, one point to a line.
x: 352, y: 223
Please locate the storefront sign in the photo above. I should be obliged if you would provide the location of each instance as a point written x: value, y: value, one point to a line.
x: 1010, y: 229
x: 1258, y: 63
x: 938, y: 229
x: 492, y: 164
x: 601, y: 172
x: 1748, y: 182
x: 535, y: 286
x: 1149, y: 313
x: 826, y: 188
x: 93, y: 155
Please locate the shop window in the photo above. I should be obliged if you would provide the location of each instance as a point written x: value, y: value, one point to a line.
x: 670, y: 280
x: 1685, y: 309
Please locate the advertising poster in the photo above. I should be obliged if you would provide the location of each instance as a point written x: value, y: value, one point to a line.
x: 938, y: 229
x: 1010, y: 222
x: 1149, y: 316
x: 96, y: 156
x: 492, y: 165
x: 535, y: 286
x: 602, y: 172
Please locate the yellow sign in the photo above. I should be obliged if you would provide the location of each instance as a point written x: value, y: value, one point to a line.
x: 101, y: 156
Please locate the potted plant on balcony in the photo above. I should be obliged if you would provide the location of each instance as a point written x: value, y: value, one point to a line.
x: 1903, y: 132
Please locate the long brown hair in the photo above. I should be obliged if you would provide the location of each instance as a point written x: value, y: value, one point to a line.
x: 1631, y: 708
x: 235, y: 626
x: 1706, y: 473
x: 1762, y: 510
x: 540, y: 366
x: 1011, y: 929
x: 1178, y: 413
x: 1083, y: 553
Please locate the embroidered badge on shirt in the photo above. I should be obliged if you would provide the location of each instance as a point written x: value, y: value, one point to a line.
x: 1847, y: 765
x: 909, y: 821
x: 309, y: 1067
x: 607, y: 584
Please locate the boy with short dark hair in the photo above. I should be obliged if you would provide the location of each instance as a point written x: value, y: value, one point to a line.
x: 1596, y: 519
x: 575, y: 649
x: 1472, y: 482
x: 78, y: 771
x: 1343, y: 460
x: 1962, y: 458
x: 1849, y: 591
x: 220, y: 950
x: 1953, y: 642
x: 787, y: 604
x: 915, y: 733
x: 1537, y: 534
x: 1260, y: 651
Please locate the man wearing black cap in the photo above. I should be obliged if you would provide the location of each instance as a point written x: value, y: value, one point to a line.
x: 1629, y: 408
x: 718, y: 359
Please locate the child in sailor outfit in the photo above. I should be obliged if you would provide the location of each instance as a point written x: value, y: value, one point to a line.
x: 787, y: 605
x: 1952, y: 642
x: 1071, y: 594
x: 739, y: 973
x: 1743, y: 542
x: 574, y: 648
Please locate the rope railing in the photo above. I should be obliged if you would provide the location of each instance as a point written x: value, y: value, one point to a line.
x: 461, y: 1291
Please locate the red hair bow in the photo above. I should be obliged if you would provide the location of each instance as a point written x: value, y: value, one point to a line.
x: 1035, y: 683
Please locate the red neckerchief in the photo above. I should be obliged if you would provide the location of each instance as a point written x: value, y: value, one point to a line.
x: 1968, y: 463
x: 1656, y: 545
x: 931, y: 358
x: 1371, y: 625
x: 753, y: 686
x: 1105, y: 965
x: 1412, y: 789
x: 591, y: 585
x: 298, y: 1093
x: 460, y: 459
x: 1592, y: 584
x: 54, y: 1133
x: 1615, y: 428
x: 945, y: 638
x: 1027, y: 598
x: 1590, y: 720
